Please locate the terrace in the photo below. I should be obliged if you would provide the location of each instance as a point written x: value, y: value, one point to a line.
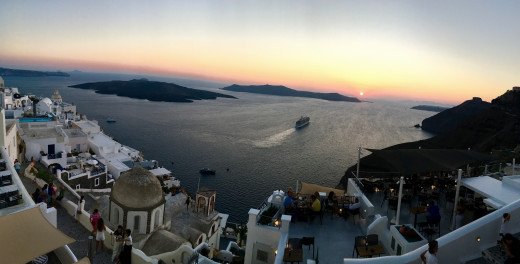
x: 334, y: 237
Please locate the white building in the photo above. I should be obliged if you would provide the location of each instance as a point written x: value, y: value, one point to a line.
x: 21, y: 220
x: 44, y: 141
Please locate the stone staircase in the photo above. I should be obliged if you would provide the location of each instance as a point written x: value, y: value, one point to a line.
x: 492, y: 255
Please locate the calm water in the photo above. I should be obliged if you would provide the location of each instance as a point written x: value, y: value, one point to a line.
x: 252, y: 136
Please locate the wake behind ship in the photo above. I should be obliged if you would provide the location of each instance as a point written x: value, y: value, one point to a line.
x: 303, y: 121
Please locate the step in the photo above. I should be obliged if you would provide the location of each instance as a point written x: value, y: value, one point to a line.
x: 494, y: 255
x: 480, y: 260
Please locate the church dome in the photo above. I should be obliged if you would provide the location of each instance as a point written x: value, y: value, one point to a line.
x: 137, y: 189
x: 56, y: 96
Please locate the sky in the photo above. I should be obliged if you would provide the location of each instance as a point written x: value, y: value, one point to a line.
x: 445, y: 50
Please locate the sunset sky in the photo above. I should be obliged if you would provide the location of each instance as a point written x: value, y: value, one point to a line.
x: 445, y: 51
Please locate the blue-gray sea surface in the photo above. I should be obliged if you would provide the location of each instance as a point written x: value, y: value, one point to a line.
x: 253, y: 136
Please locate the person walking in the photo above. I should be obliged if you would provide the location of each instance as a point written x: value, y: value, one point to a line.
x: 100, y: 234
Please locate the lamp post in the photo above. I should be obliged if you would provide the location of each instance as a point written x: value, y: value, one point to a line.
x: 455, y: 202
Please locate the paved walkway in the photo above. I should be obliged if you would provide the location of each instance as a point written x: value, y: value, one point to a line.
x: 67, y: 226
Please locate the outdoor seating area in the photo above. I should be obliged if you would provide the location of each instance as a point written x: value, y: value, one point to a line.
x: 9, y: 192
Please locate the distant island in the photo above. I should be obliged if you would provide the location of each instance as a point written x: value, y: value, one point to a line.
x: 28, y: 73
x: 284, y: 91
x: 475, y: 124
x: 151, y: 90
x: 431, y: 108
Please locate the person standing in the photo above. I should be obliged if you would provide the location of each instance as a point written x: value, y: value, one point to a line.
x: 17, y: 165
x: 430, y: 256
x: 50, y: 193
x: 126, y: 254
x: 187, y: 202
x: 94, y: 218
x: 118, y: 236
x: 79, y: 209
x: 35, y: 195
x: 504, y: 227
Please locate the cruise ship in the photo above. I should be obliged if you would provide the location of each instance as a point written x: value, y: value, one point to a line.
x: 303, y: 121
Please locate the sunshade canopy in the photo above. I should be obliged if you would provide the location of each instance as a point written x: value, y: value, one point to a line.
x: 308, y: 188
x: 28, y: 235
x: 412, y: 161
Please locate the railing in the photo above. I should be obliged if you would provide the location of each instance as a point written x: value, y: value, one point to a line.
x: 268, y: 220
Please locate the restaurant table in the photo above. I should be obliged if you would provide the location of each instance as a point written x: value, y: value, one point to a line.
x: 369, y: 251
x: 293, y: 255
x: 417, y: 210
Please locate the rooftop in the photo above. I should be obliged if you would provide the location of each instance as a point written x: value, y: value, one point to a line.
x: 73, y: 133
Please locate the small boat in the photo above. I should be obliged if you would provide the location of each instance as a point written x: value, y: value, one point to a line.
x: 303, y: 121
x: 110, y: 120
x: 207, y: 171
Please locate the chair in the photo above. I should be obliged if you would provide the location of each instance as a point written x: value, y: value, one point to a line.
x: 372, y: 239
x: 308, y: 241
x: 358, y: 242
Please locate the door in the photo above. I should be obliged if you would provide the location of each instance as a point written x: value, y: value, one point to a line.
x: 51, y: 149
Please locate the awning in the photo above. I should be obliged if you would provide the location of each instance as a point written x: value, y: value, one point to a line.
x: 160, y: 171
x: 499, y: 192
x: 84, y: 260
x: 411, y: 161
x: 308, y: 188
x: 28, y: 235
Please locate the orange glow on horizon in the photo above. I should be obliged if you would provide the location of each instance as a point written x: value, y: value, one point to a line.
x: 263, y: 74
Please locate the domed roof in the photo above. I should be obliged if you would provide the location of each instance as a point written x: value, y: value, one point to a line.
x: 137, y: 188
x: 56, y: 96
x: 46, y: 101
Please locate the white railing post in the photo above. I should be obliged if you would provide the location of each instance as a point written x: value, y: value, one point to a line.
x: 456, y: 201
x: 401, y: 181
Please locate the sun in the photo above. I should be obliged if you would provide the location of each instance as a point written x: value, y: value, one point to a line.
x: 361, y: 93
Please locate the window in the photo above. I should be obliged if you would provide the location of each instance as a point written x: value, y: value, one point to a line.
x: 78, y: 186
x: 96, y: 182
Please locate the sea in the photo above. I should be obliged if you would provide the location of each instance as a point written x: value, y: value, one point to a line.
x: 251, y: 141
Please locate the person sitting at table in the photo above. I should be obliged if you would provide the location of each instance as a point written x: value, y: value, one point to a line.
x: 434, y: 214
x: 355, y: 205
x: 315, y: 206
x: 331, y: 202
x: 352, y: 207
x: 290, y: 205
x: 291, y: 194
